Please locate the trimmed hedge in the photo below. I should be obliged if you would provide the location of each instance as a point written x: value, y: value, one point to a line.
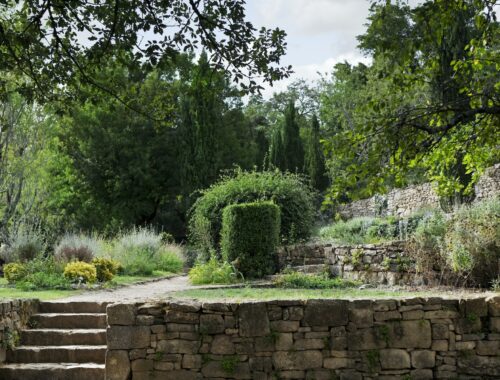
x: 290, y: 192
x: 250, y: 235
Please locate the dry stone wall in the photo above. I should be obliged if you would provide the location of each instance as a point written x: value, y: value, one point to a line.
x: 14, y: 315
x: 412, y: 338
x: 385, y: 263
x: 404, y: 202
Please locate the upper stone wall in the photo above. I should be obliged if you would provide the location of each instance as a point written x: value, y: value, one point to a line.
x: 404, y: 202
x: 413, y: 338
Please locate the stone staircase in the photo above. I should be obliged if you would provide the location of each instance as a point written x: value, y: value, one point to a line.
x: 67, y: 340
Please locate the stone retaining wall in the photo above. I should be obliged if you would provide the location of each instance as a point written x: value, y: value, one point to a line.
x: 413, y: 338
x: 385, y: 263
x: 404, y: 202
x: 14, y: 315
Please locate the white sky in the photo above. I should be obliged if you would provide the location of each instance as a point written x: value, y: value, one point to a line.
x: 321, y: 33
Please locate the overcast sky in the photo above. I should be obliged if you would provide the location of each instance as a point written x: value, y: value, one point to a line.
x: 320, y: 32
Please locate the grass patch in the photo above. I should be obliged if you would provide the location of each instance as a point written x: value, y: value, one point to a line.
x: 241, y: 294
x: 298, y: 280
x: 8, y: 292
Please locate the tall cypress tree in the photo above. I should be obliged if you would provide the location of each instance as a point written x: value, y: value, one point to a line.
x: 277, y: 157
x: 314, y: 165
x: 292, y: 144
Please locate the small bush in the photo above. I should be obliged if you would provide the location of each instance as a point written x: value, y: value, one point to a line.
x: 298, y: 280
x: 169, y: 258
x: 136, y: 251
x: 472, y: 242
x: 24, y: 245
x: 78, y: 248
x: 426, y: 244
x: 43, y: 273
x: 213, y: 272
x: 250, y: 235
x: 352, y: 231
x: 105, y: 268
x: 41, y: 280
x: 80, y: 272
x: 142, y: 251
x: 288, y: 191
x: 14, y: 272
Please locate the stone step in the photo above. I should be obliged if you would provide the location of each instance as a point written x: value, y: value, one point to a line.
x: 59, y: 337
x: 52, y: 371
x: 68, y: 321
x: 72, y: 307
x: 59, y: 354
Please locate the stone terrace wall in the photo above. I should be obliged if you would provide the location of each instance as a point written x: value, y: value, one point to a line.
x: 14, y: 314
x: 404, y: 202
x: 316, y: 339
x: 385, y: 263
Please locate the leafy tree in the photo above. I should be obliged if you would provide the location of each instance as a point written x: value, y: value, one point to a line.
x: 67, y: 42
x: 423, y: 106
x: 277, y: 157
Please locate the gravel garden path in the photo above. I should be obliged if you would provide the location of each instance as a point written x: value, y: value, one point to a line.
x: 145, y: 291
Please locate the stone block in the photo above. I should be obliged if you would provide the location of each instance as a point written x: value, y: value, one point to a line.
x: 476, y: 308
x: 326, y: 313
x: 211, y: 324
x: 222, y: 345
x: 253, y: 320
x: 284, y: 326
x: 479, y: 365
x: 494, y: 306
x: 218, y: 369
x: 338, y: 363
x: 409, y: 334
x: 440, y: 345
x: 284, y: 342
x: 440, y: 331
x: 191, y: 361
x: 495, y: 324
x: 121, y: 314
x: 362, y: 316
x: 176, y: 316
x: 488, y: 348
x: 394, y: 359
x: 141, y: 365
x: 128, y: 337
x: 177, y: 346
x: 309, y: 344
x: 299, y: 360
x: 423, y: 359
x: 117, y: 365
x: 366, y: 339
x: 422, y: 374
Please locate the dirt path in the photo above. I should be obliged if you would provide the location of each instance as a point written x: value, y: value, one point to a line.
x: 140, y: 292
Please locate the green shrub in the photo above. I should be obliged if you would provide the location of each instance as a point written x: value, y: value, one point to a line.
x: 297, y: 280
x: 43, y: 273
x: 169, y: 258
x: 75, y: 247
x: 80, y: 272
x: 426, y: 244
x: 105, y: 268
x: 213, y: 272
x: 14, y: 272
x: 24, y: 245
x: 41, y: 280
x: 136, y: 251
x: 288, y: 191
x: 142, y: 251
x: 249, y: 237
x: 472, y: 242
x: 352, y: 231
